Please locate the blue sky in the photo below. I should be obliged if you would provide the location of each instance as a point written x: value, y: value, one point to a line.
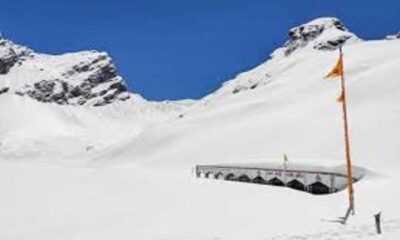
x: 174, y: 49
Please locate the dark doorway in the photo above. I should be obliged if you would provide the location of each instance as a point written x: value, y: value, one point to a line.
x: 296, y: 184
x: 244, y: 178
x: 259, y: 180
x: 218, y: 175
x: 276, y: 182
x: 230, y: 176
x: 319, y: 188
x: 207, y: 175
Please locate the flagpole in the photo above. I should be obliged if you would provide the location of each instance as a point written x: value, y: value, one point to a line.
x: 347, y: 140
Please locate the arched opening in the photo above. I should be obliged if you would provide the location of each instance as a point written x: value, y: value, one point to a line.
x: 296, y: 184
x: 244, y: 178
x: 208, y: 174
x: 230, y: 176
x: 276, y: 182
x: 219, y: 175
x: 319, y: 188
x: 259, y: 180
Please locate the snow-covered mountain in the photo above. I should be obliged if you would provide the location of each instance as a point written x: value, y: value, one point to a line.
x: 82, y: 78
x: 58, y: 106
x: 131, y: 173
x: 393, y: 37
x: 319, y: 35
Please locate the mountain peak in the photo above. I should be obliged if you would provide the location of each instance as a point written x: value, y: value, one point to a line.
x: 81, y: 78
x: 326, y: 33
x: 11, y: 54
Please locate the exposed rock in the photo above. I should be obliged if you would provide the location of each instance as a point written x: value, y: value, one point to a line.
x: 119, y: 87
x: 44, y: 91
x: 10, y: 54
x: 319, y: 34
x: 83, y: 78
x: 250, y: 83
x: 332, y: 44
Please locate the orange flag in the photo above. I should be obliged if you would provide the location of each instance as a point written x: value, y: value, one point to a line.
x: 337, y: 71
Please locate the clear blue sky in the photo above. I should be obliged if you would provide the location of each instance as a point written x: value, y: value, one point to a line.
x: 173, y: 49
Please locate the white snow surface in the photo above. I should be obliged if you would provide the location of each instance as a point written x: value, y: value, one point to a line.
x: 124, y: 171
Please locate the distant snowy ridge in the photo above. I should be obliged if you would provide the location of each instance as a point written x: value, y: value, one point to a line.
x: 82, y: 78
x: 321, y: 34
x: 70, y: 105
x: 393, y: 37
x: 91, y: 78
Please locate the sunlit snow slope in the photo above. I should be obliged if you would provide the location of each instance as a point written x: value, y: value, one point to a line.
x: 132, y: 179
x: 69, y: 106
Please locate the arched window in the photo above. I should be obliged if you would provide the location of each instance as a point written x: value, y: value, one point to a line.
x: 259, y: 180
x: 319, y: 188
x: 208, y: 174
x: 276, y: 182
x: 219, y: 175
x: 244, y: 178
x: 296, y: 184
x: 230, y: 176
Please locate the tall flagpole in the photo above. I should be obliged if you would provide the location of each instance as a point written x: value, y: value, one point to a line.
x: 347, y: 140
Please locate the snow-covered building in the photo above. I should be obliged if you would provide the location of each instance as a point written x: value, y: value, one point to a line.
x: 312, y: 179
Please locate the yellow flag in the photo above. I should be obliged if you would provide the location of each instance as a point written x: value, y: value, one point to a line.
x: 285, y: 159
x: 337, y: 71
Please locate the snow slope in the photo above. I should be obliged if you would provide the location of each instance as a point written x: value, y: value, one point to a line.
x: 35, y: 126
x: 135, y: 180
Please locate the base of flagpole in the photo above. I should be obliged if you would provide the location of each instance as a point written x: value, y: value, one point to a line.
x: 343, y: 220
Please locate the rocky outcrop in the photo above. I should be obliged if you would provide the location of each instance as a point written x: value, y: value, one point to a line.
x: 246, y: 84
x: 10, y: 54
x: 332, y: 44
x: 63, y: 93
x: 82, y: 78
x: 320, y: 34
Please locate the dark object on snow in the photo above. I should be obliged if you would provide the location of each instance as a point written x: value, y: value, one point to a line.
x: 378, y: 223
x: 89, y: 148
x: 4, y: 90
